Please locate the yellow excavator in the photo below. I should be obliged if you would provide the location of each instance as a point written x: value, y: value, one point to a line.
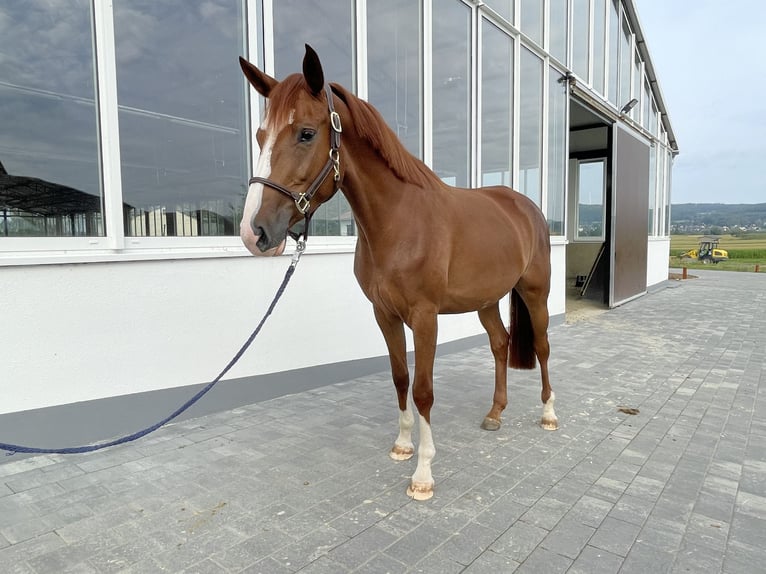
x: 708, y: 251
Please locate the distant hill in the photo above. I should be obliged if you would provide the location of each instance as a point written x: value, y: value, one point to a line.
x: 717, y: 218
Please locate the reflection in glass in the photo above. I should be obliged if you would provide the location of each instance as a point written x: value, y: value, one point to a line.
x: 557, y: 151
x: 668, y: 185
x: 635, y: 113
x: 530, y: 125
x: 580, y: 37
x: 451, y: 91
x: 599, y: 45
x: 182, y: 116
x: 590, y: 200
x: 625, y: 64
x: 328, y: 28
x: 503, y: 7
x: 394, y: 71
x: 652, y: 187
x: 496, y: 106
x: 49, y: 155
x: 532, y: 20
x: 614, y: 51
x: 558, y: 29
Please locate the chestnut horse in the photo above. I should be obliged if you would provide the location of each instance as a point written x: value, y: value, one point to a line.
x: 423, y: 247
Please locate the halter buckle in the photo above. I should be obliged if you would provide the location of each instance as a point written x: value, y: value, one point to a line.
x: 302, y: 203
x: 335, y: 122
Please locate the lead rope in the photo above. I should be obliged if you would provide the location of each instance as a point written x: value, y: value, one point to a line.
x: 14, y: 448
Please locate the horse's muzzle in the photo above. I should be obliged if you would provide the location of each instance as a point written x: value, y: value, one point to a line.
x: 260, y: 242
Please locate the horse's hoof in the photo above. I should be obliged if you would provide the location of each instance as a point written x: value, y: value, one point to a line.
x: 549, y: 424
x: 490, y: 424
x: 420, y: 490
x: 399, y: 452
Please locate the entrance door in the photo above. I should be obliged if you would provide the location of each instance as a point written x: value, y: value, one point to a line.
x: 629, y: 209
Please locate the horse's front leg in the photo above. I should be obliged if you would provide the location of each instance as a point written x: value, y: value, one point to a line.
x: 424, y: 329
x: 393, y: 333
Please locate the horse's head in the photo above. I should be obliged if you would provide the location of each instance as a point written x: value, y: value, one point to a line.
x: 298, y: 167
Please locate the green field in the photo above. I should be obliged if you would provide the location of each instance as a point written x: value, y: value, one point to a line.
x: 745, y: 252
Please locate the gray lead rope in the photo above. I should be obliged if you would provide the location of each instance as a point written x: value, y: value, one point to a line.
x: 14, y: 448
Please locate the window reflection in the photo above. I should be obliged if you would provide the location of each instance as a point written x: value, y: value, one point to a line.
x: 394, y: 71
x: 652, y: 188
x: 580, y: 37
x: 625, y: 64
x: 503, y: 7
x: 496, y: 106
x: 451, y: 90
x: 599, y: 45
x: 614, y: 51
x: 557, y: 151
x: 558, y: 29
x: 328, y: 28
x: 182, y: 112
x: 530, y: 125
x: 532, y: 20
x: 590, y: 202
x: 49, y: 155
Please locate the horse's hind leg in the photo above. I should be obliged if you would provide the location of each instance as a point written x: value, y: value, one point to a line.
x: 393, y: 333
x: 498, y: 342
x: 536, y: 301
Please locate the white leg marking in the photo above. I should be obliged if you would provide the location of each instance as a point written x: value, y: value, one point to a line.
x: 422, y: 480
x: 403, y: 447
x: 549, y: 420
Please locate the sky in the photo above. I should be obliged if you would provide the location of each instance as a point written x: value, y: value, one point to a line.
x: 710, y: 58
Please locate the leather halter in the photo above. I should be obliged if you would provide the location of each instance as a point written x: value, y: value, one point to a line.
x: 303, y: 199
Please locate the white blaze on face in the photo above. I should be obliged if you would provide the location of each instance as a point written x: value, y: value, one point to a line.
x: 255, y: 196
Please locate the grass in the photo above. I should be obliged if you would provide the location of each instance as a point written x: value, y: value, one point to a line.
x: 745, y: 252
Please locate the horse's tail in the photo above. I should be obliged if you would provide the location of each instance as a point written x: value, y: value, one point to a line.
x: 522, y: 350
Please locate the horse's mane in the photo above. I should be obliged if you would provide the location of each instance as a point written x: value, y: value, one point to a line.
x: 368, y: 123
x: 371, y: 126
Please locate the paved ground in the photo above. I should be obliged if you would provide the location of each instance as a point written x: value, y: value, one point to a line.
x: 304, y: 483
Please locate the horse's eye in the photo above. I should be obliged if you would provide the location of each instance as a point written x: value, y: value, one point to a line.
x: 307, y: 135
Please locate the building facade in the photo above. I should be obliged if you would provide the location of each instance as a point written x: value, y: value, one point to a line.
x: 127, y: 143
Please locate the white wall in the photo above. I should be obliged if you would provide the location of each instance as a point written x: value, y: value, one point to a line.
x: 76, y: 332
x: 657, y: 260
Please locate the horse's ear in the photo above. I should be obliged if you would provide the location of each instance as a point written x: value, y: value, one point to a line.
x: 312, y: 71
x: 263, y: 83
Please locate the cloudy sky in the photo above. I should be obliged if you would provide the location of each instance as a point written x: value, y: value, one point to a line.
x: 711, y: 62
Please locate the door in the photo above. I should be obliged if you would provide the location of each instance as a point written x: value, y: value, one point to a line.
x: 629, y: 210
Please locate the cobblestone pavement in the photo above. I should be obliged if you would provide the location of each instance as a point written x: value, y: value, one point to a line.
x: 304, y: 482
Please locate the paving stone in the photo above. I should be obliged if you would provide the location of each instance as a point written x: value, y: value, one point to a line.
x: 303, y: 483
x: 615, y: 536
x: 596, y: 561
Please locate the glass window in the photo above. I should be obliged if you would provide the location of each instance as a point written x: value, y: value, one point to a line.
x: 653, y: 118
x: 660, y: 183
x: 451, y: 93
x: 599, y: 45
x: 625, y: 65
x: 325, y: 26
x: 614, y: 51
x: 328, y: 28
x: 557, y: 151
x: 580, y: 37
x: 652, y: 188
x: 558, y: 29
x: 394, y: 70
x: 530, y: 125
x: 590, y: 199
x: 183, y: 141
x: 635, y: 113
x: 496, y: 106
x: 503, y: 7
x: 49, y: 154
x: 647, y: 106
x: 668, y: 185
x: 532, y: 19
